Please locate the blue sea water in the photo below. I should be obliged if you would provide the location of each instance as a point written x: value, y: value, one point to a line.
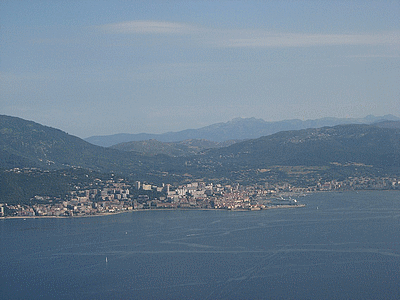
x: 340, y: 246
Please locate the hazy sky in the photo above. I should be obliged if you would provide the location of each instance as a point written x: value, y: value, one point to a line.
x: 103, y: 67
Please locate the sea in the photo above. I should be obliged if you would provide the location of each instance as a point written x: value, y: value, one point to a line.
x: 339, y: 246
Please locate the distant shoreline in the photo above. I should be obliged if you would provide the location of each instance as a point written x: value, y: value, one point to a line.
x: 148, y: 210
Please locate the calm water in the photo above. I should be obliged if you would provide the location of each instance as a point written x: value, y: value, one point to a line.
x: 340, y: 246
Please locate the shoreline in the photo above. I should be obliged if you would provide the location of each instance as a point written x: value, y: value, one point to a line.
x: 153, y: 209
x: 64, y: 217
x: 183, y: 209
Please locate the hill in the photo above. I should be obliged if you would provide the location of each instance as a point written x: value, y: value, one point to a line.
x: 183, y: 148
x: 388, y: 124
x: 236, y: 129
x: 363, y: 144
x: 28, y: 144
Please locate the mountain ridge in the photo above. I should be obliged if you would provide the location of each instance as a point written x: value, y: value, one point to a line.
x: 28, y: 144
x: 235, y: 129
x: 360, y: 143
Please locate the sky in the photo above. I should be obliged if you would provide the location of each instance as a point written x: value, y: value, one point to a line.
x: 106, y: 67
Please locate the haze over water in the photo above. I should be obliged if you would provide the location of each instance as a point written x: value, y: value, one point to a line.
x: 341, y: 246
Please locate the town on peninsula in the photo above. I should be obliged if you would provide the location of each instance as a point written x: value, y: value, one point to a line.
x: 116, y: 195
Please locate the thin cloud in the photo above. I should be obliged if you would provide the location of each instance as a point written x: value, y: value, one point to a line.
x: 148, y: 27
x: 272, y: 40
x: 242, y: 38
x: 374, y: 56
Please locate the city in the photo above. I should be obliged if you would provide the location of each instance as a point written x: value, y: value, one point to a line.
x: 115, y: 195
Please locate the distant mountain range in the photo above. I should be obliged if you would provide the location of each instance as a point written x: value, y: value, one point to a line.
x: 29, y: 144
x: 237, y: 129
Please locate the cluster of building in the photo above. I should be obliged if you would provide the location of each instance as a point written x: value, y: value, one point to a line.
x: 362, y: 183
x: 117, y: 195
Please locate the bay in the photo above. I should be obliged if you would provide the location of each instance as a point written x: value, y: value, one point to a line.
x: 340, y: 246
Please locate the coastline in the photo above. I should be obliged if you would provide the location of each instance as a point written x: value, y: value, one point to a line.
x: 148, y: 210
x: 65, y: 217
x: 283, y: 206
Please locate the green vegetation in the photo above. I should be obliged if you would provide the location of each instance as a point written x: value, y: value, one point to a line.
x: 30, y: 186
x: 183, y: 148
